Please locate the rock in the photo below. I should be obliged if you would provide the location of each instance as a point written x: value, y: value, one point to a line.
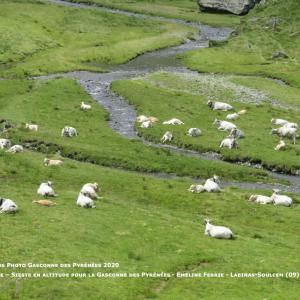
x: 279, y: 54
x: 238, y: 7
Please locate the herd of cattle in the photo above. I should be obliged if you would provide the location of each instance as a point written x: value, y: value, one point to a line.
x: 89, y: 192
x: 286, y: 129
x: 67, y: 131
x: 86, y: 197
x: 212, y: 185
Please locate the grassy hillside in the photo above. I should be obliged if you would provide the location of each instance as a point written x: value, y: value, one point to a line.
x: 269, y: 28
x: 185, y: 97
x: 48, y: 38
x: 145, y: 225
x: 181, y: 9
x: 56, y: 104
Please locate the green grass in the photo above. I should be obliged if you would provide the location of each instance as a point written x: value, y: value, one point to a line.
x: 180, y: 9
x: 56, y: 104
x: 48, y: 38
x: 146, y: 225
x: 250, y: 52
x: 185, y: 98
x: 288, y: 95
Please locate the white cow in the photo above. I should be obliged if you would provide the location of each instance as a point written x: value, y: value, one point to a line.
x: 229, y: 142
x: 52, y: 162
x: 85, y: 201
x: 237, y: 133
x: 286, y: 132
x: 196, y: 188
x: 218, y: 232
x: 224, y: 125
x: 85, y: 106
x: 32, y: 127
x: 15, y: 149
x: 211, y: 184
x: 232, y: 116
x: 281, y: 199
x: 260, y: 199
x: 280, y: 122
x: 194, y: 132
x: 146, y: 124
x: 69, y: 131
x: 167, y: 137
x: 219, y: 106
x: 141, y: 119
x: 5, y: 143
x: 173, y: 121
x: 90, y: 190
x: 8, y: 206
x: 46, y: 189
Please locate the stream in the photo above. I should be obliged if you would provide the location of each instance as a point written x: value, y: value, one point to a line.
x: 123, y: 116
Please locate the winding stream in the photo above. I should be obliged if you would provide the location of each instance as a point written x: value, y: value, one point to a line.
x: 123, y: 115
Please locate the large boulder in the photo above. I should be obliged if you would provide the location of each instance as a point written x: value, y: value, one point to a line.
x: 238, y: 7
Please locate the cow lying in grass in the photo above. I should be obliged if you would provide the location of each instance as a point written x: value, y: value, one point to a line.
x: 229, y: 142
x: 219, y: 106
x: 5, y: 143
x: 210, y: 185
x: 286, y: 132
x: 8, y: 206
x: 167, y: 137
x: 15, y: 149
x: 91, y: 189
x: 32, y: 127
x: 173, y: 121
x: 69, y: 131
x: 52, y: 162
x: 85, y: 201
x: 224, y: 125
x: 85, y: 106
x: 46, y: 189
x: 218, y: 232
x: 194, y: 132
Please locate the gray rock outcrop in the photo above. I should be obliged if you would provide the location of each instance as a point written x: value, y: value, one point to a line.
x: 238, y: 7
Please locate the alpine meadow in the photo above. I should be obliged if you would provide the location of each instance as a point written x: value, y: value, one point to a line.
x: 149, y: 149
